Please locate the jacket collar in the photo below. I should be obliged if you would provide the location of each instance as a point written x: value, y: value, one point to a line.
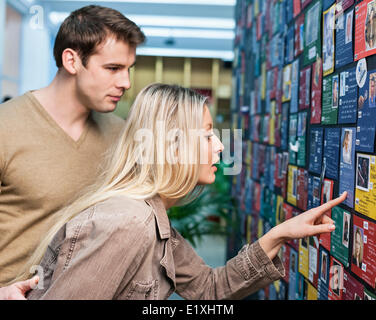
x: 160, y: 213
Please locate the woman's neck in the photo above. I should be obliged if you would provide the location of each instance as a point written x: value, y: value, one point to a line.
x: 168, y: 203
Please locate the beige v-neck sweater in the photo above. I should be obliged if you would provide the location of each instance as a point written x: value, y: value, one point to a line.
x: 42, y: 169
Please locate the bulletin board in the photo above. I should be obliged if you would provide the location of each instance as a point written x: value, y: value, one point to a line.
x: 304, y: 78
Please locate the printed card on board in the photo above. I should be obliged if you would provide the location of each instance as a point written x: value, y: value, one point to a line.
x: 312, y: 30
x: 301, y: 138
x: 293, y: 142
x: 365, y: 179
x: 316, y: 93
x: 328, y: 40
x: 299, y: 35
x: 314, y: 191
x: 326, y: 195
x: 335, y: 280
x: 292, y: 190
x: 340, y: 237
x: 323, y: 281
x: 293, y: 274
x: 331, y: 152
x: 330, y: 99
x: 316, y: 150
x: 302, y: 196
x: 347, y: 165
x: 363, y: 255
x: 353, y: 289
x: 348, y: 96
x: 344, y: 39
x: 303, y: 257
x: 313, y: 251
x: 304, y: 88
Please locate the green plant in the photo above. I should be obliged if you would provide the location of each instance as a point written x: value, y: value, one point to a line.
x: 208, y: 214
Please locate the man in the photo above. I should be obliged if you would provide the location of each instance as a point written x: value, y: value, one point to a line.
x: 53, y: 139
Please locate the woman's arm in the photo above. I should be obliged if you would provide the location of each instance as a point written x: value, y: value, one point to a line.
x: 306, y: 224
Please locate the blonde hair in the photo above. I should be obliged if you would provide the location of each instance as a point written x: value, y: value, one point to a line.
x: 139, y: 172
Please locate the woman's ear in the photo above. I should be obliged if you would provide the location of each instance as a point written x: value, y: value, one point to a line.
x: 70, y: 60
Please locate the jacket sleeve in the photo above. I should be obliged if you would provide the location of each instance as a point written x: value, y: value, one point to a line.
x: 95, y: 258
x: 242, y: 275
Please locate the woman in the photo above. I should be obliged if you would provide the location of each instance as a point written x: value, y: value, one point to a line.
x: 115, y: 242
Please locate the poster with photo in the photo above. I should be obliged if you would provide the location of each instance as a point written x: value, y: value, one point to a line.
x: 365, y: 179
x: 312, y: 33
x: 340, y: 237
x: 330, y: 99
x: 293, y: 143
x: 331, y: 152
x: 347, y: 165
x: 292, y: 189
x: 284, y: 126
x: 348, y: 96
x: 291, y: 212
x: 323, y: 280
x: 344, y: 39
x: 328, y: 40
x: 305, y: 88
x: 326, y: 195
x: 293, y: 272
x: 316, y: 150
x: 335, y: 280
x: 302, y: 287
x: 301, y: 138
x: 313, y: 252
x: 316, y: 91
x: 365, y: 135
x: 299, y: 35
x: 363, y: 256
x: 302, y: 192
x: 365, y: 27
x: 303, y: 257
x: 353, y: 289
x: 314, y: 192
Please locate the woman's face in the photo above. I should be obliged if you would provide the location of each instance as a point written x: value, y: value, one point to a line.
x: 358, y: 242
x: 211, y: 147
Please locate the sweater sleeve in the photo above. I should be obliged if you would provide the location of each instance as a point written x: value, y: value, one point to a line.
x: 249, y: 271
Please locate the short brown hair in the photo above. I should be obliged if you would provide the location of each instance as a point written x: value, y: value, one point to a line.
x: 84, y: 29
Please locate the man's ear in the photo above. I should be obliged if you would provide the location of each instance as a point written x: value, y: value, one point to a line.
x: 71, y: 61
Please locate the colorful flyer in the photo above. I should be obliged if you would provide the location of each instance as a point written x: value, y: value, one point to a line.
x: 292, y: 189
x: 284, y: 126
x: 353, y: 289
x: 365, y: 37
x: 299, y: 35
x: 305, y: 88
x: 347, y: 165
x: 331, y: 152
x: 303, y: 257
x: 330, y: 99
x: 312, y: 30
x: 340, y: 237
x: 316, y: 150
x: 326, y: 4
x: 291, y: 212
x: 294, y: 87
x: 297, y: 8
x: 365, y: 133
x: 368, y: 295
x: 326, y: 195
x: 335, y: 280
x: 348, y: 96
x: 323, y: 281
x: 316, y: 92
x: 293, y: 143
x: 343, y: 5
x: 301, y: 138
x: 312, y: 293
x: 301, y: 290
x: 344, y: 39
x: 365, y: 195
x: 313, y: 251
x: 314, y: 191
x: 280, y: 214
x: 302, y: 195
x: 363, y: 258
x: 328, y: 40
x: 293, y: 274
x: 286, y: 85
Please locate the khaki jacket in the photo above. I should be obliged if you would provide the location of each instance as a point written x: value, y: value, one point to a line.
x: 126, y: 249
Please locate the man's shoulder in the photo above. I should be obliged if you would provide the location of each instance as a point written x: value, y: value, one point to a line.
x: 13, y: 107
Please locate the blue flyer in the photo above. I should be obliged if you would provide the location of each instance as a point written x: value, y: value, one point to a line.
x: 290, y: 37
x: 284, y: 126
x: 313, y: 192
x: 295, y: 77
x: 348, y: 96
x: 344, y: 40
x: 323, y: 281
x: 331, y: 152
x: 293, y: 270
x: 316, y: 151
x: 347, y: 165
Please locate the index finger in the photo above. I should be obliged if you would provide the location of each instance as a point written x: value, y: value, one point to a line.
x: 330, y: 204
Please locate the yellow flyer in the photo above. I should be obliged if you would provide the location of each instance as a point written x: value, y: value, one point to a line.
x: 304, y: 257
x: 279, y: 212
x: 292, y: 184
x: 311, y: 292
x: 365, y: 178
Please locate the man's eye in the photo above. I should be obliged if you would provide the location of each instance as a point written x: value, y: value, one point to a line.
x: 113, y: 68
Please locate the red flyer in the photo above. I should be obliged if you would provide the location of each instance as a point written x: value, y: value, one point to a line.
x: 365, y: 29
x: 289, y: 212
x: 363, y: 257
x: 353, y: 289
x: 316, y: 91
x: 302, y: 192
x: 299, y: 35
x: 297, y: 7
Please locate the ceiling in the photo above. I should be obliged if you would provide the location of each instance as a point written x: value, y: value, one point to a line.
x: 188, y: 28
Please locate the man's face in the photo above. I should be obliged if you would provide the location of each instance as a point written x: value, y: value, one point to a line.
x: 105, y: 78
